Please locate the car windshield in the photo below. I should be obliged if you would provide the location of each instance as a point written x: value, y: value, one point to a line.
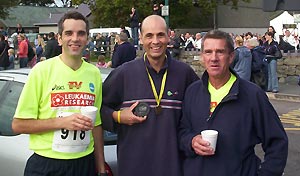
x: 9, y: 96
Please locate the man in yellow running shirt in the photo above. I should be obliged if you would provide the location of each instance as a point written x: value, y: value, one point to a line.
x: 64, y: 141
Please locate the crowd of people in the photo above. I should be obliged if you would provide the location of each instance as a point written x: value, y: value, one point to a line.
x: 27, y: 53
x: 254, y: 61
x: 256, y: 56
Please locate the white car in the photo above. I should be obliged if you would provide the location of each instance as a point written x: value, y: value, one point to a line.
x: 14, y: 150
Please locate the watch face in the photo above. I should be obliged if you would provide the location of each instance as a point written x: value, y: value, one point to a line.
x: 141, y: 110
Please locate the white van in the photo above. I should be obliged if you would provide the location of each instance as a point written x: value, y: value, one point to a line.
x: 106, y: 31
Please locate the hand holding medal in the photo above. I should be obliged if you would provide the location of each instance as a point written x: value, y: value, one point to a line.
x: 127, y: 116
x: 141, y: 110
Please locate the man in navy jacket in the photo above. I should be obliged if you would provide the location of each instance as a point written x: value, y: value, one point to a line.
x: 124, y: 52
x: 148, y: 145
x: 241, y: 113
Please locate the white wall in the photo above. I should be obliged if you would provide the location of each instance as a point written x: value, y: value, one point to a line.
x: 47, y: 29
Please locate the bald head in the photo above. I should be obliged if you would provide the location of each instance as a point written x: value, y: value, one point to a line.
x: 152, y: 20
x: 154, y: 38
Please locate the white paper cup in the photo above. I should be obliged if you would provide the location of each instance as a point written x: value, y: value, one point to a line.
x: 211, y: 136
x: 89, y: 111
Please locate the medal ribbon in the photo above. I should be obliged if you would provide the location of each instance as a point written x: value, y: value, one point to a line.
x: 162, y: 87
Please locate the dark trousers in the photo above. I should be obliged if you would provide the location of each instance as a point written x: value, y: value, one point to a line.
x: 41, y: 166
x: 23, y: 62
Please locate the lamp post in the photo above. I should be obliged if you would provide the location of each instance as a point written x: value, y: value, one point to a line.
x: 165, y: 12
x: 167, y: 17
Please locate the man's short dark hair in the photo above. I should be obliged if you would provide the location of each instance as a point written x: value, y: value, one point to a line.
x: 72, y: 15
x: 217, y: 34
x: 123, y: 37
x: 249, y: 33
x: 269, y: 34
x: 51, y: 35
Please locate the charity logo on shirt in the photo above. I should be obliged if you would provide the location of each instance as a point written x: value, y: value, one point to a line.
x: 72, y: 99
x: 213, y: 106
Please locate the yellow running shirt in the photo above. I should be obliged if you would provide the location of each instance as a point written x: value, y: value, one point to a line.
x: 53, y: 89
x: 216, y: 96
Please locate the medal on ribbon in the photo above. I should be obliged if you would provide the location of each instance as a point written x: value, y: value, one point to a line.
x: 158, y: 108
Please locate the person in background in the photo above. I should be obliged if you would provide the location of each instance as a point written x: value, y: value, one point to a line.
x: 174, y: 45
x: 22, y: 51
x: 89, y: 48
x: 3, y: 31
x: 45, y: 37
x: 198, y: 41
x: 242, y: 59
x: 134, y: 24
x: 290, y: 39
x: 189, y: 41
x: 124, y: 52
x: 148, y: 142
x: 117, y: 39
x: 270, y: 47
x: 249, y: 35
x: 100, y: 42
x: 157, y: 9
x: 40, y: 48
x: 123, y: 29
x: 11, y: 57
x: 65, y: 142
x: 101, y: 62
x: 20, y: 29
x: 52, y: 48
x: 182, y: 40
x: 259, y: 68
x: 274, y: 35
x: 241, y: 113
x: 4, y: 60
x: 36, y: 40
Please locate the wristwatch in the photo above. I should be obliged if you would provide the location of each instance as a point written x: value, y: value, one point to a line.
x: 102, y: 174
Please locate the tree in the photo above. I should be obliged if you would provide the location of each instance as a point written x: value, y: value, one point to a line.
x: 208, y: 6
x: 4, y: 7
x: 116, y: 13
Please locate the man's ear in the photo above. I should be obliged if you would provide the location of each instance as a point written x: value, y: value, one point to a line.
x: 140, y: 38
x: 59, y: 40
x: 87, y: 41
x: 231, y: 57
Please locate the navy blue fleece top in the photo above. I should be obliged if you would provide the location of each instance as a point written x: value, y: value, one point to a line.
x: 151, y: 147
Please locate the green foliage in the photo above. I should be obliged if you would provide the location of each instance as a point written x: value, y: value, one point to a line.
x: 4, y: 7
x: 116, y: 13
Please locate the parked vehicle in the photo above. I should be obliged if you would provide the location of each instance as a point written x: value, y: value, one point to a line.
x: 106, y: 31
x: 14, y: 150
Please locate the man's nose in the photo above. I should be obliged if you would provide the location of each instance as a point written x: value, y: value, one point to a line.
x: 155, y: 39
x: 214, y: 55
x: 74, y: 36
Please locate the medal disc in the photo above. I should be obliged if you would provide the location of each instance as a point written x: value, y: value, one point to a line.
x: 141, y: 110
x: 158, y: 110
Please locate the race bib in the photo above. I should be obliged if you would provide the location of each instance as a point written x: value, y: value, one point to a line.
x: 70, y: 141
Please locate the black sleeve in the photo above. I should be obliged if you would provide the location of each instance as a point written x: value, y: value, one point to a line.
x: 48, y: 49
